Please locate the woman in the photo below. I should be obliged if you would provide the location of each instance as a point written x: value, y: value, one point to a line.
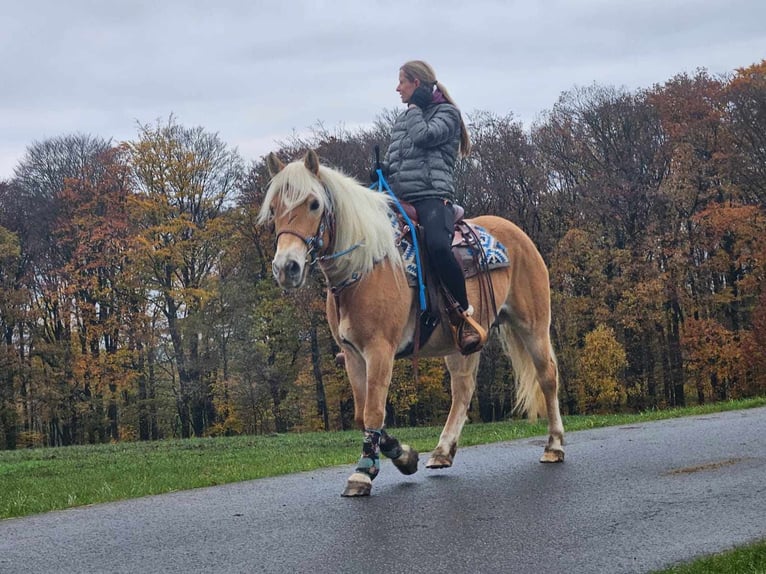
x: 419, y: 165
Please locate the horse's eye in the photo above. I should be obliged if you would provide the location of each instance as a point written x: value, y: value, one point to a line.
x: 271, y: 213
x: 314, y: 205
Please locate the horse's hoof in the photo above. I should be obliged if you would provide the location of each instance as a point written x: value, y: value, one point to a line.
x: 439, y: 461
x: 340, y: 359
x: 407, y: 462
x: 552, y: 456
x: 358, y: 485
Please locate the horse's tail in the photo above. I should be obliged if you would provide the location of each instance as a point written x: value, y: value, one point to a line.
x: 529, y: 394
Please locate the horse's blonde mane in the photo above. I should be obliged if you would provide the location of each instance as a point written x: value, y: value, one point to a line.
x: 361, y: 216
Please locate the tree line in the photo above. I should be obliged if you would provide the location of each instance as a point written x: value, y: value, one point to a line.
x: 137, y: 303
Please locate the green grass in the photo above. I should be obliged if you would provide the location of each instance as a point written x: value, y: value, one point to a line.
x: 40, y: 480
x: 746, y: 560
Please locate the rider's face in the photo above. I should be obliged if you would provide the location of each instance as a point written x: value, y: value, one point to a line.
x: 406, y: 87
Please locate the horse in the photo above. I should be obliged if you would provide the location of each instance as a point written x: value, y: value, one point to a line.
x: 325, y: 218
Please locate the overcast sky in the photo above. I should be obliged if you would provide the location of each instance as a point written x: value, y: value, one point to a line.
x: 256, y: 72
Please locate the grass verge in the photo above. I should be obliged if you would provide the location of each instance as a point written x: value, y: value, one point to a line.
x: 749, y: 559
x: 40, y: 480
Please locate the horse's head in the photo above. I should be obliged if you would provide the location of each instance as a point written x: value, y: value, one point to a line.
x: 323, y: 216
x: 297, y: 204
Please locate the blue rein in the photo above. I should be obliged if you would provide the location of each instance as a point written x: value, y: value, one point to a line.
x: 383, y: 184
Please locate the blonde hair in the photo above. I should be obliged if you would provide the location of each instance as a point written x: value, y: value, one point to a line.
x: 424, y: 73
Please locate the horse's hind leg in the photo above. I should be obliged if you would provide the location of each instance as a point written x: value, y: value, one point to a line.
x: 537, y: 370
x: 462, y: 370
x: 548, y: 378
x: 554, y: 449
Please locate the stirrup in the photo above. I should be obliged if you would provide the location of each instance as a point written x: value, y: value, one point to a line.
x: 466, y: 318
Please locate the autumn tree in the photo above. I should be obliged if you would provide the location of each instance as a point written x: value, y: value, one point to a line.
x: 10, y: 364
x: 713, y: 358
x: 502, y: 177
x: 39, y: 183
x: 103, y: 294
x: 752, y: 352
x: 187, y: 180
x: 599, y: 367
x: 746, y: 111
x: 691, y: 109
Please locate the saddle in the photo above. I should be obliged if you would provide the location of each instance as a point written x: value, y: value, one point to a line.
x: 476, y: 251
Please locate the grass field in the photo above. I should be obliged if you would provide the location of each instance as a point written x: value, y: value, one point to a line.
x: 39, y: 480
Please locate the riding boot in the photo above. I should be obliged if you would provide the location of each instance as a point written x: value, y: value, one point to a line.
x: 470, y: 336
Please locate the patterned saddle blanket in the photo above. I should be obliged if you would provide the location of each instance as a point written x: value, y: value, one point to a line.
x: 465, y: 250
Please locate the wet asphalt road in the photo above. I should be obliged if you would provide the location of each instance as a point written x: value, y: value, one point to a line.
x: 627, y: 499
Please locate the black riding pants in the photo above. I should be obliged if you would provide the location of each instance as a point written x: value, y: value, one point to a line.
x: 437, y: 219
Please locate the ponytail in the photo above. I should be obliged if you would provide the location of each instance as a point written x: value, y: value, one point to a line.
x: 465, y: 139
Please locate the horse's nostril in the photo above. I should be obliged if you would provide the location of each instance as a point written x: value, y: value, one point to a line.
x: 293, y: 268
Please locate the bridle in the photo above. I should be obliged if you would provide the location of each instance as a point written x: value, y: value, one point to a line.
x: 315, y: 243
x: 317, y: 249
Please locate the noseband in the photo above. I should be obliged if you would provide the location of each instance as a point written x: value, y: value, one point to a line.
x: 314, y: 243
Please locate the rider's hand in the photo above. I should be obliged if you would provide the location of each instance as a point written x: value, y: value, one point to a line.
x: 421, y: 97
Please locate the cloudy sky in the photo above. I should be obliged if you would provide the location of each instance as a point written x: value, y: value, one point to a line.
x: 257, y: 72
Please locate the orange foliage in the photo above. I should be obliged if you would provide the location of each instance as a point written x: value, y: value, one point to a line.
x: 751, y: 76
x: 735, y: 238
x: 714, y: 359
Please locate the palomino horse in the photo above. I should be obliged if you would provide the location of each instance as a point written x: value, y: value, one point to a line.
x: 323, y: 217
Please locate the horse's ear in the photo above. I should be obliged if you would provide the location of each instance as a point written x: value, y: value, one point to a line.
x: 311, y: 161
x: 274, y: 164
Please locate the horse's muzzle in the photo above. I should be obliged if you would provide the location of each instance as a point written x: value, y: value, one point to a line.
x: 289, y: 273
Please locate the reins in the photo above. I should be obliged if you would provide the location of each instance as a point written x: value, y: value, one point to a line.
x: 382, y: 185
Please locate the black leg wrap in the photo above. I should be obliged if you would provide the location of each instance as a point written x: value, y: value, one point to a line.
x: 369, y: 463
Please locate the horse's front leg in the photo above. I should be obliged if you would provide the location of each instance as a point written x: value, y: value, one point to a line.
x: 379, y: 366
x: 357, y: 378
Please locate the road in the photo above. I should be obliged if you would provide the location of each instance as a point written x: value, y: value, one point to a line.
x: 627, y: 499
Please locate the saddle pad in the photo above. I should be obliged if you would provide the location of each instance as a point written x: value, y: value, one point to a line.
x: 495, y: 252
